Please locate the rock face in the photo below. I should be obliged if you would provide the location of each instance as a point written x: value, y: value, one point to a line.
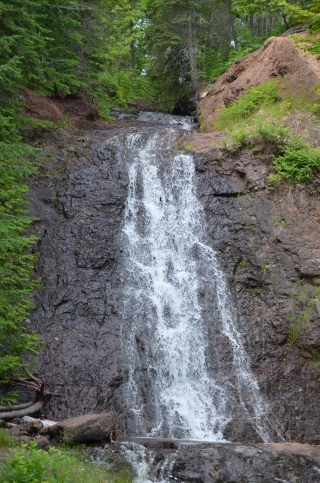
x: 79, y: 210
x: 267, y: 241
x: 261, y: 464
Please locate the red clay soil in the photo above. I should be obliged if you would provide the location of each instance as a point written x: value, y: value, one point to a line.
x: 77, y: 110
x: 278, y: 58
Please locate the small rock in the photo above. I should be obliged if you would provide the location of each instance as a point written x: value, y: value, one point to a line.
x: 42, y: 442
x: 24, y: 439
x: 34, y: 427
x: 14, y: 431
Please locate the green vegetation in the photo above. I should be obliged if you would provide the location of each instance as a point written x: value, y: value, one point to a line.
x: 249, y: 103
x: 27, y: 464
x: 316, y: 356
x: 293, y: 159
x: 140, y: 52
x: 266, y: 126
x: 302, y: 310
x: 6, y: 441
x: 296, y: 161
x: 17, y: 346
x: 242, y: 263
x: 310, y: 45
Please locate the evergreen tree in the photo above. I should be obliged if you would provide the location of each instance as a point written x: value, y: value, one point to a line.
x: 185, y: 38
x: 16, y: 261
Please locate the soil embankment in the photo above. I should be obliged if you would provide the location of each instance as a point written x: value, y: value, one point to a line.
x: 278, y: 58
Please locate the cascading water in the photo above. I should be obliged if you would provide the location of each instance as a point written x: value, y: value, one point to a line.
x: 170, y: 274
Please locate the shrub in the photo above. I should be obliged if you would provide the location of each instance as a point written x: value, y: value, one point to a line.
x: 292, y: 158
x: 27, y: 464
x: 296, y: 161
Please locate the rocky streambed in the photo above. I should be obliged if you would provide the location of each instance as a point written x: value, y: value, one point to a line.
x: 198, y: 462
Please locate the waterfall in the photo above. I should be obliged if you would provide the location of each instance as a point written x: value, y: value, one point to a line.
x: 170, y: 273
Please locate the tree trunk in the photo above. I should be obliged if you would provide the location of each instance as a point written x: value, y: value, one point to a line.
x: 251, y: 27
x: 36, y: 406
x: 31, y: 383
x: 16, y: 406
x: 233, y: 31
x: 192, y: 57
x: 132, y: 48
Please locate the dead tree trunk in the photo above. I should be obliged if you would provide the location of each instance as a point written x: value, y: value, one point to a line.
x: 30, y: 383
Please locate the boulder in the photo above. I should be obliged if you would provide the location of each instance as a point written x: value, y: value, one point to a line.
x: 241, y: 431
x: 89, y: 428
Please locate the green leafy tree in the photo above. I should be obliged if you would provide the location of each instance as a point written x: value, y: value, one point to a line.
x: 263, y: 16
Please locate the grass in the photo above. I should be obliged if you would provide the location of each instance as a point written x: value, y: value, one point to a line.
x: 6, y: 441
x: 250, y: 102
x: 26, y: 464
x: 307, y: 43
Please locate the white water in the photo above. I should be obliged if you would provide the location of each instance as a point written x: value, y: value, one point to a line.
x: 145, y: 466
x: 166, y: 253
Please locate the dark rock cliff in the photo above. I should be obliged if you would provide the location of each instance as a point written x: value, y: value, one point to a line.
x: 268, y: 241
x: 79, y: 204
x: 268, y: 244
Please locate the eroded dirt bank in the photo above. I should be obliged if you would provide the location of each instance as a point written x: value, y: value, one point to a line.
x: 278, y: 58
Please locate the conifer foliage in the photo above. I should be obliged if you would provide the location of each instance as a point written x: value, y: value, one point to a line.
x: 16, y: 261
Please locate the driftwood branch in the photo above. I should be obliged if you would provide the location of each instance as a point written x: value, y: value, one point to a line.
x: 15, y: 406
x: 31, y: 384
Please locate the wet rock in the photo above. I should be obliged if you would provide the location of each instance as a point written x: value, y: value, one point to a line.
x: 215, y: 462
x: 241, y: 431
x: 80, y: 244
x: 260, y: 464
